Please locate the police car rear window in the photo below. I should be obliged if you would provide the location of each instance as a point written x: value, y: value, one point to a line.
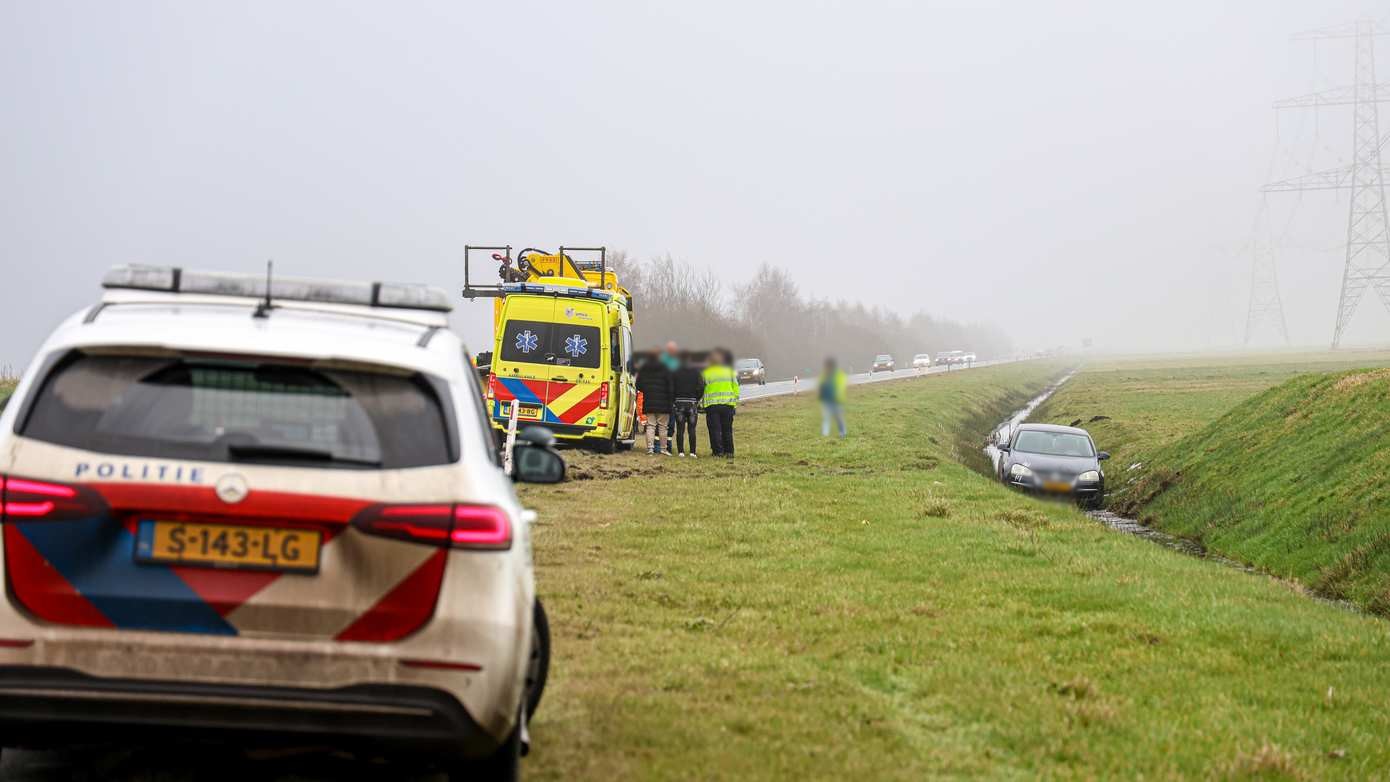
x: 241, y: 411
x: 560, y: 344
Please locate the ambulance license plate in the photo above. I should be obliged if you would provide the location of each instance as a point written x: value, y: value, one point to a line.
x: 529, y: 411
x: 228, y: 546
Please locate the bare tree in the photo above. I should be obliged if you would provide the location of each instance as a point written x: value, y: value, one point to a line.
x: 767, y: 317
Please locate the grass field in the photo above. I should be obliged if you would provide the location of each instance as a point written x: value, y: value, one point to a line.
x: 874, y: 609
x: 1275, y: 464
x: 1151, y: 402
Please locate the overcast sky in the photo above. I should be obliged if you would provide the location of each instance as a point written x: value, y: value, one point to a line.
x: 1066, y: 169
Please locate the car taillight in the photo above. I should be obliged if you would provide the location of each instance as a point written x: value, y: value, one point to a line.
x: 439, y: 524
x: 22, y: 499
x: 491, y: 386
x: 603, y: 397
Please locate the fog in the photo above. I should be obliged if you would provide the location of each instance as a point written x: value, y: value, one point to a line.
x: 1065, y: 170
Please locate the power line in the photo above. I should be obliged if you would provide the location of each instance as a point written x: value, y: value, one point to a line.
x: 1266, y: 305
x: 1367, y: 264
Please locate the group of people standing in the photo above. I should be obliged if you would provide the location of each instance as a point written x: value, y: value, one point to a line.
x: 675, y: 387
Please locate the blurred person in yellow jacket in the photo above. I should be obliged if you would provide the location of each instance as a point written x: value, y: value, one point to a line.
x: 831, y: 390
x: 720, y: 400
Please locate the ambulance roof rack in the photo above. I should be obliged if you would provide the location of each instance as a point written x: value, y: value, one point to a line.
x: 174, y: 279
x: 516, y: 270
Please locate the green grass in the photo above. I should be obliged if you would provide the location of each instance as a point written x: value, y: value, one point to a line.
x: 1152, y: 402
x: 7, y: 386
x: 1277, y: 465
x: 874, y: 609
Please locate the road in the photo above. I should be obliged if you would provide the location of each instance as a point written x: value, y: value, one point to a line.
x: 808, y: 384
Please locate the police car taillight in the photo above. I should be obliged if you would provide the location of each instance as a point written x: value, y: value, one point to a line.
x: 603, y: 396
x: 22, y: 499
x: 458, y: 525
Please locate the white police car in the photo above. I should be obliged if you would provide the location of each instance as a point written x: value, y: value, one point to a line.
x: 276, y: 517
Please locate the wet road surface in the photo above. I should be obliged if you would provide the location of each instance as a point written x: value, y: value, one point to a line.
x: 808, y: 384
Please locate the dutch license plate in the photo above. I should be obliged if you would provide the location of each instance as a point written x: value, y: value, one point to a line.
x: 228, y: 546
x: 1061, y: 486
x: 529, y: 411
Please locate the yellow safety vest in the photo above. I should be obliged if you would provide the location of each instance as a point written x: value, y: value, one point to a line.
x: 721, y: 386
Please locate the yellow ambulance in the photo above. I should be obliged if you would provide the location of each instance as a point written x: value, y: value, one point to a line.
x: 562, y: 349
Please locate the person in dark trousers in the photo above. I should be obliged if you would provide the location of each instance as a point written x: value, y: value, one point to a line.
x: 720, y: 400
x: 671, y: 357
x: 690, y: 389
x: 655, y: 382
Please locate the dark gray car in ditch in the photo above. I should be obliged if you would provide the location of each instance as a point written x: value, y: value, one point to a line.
x: 1053, y: 460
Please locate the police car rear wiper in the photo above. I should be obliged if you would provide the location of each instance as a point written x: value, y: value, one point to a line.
x: 249, y: 451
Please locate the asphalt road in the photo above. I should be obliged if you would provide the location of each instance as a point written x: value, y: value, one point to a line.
x: 808, y: 384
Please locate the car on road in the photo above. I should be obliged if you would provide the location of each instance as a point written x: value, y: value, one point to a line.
x: 883, y: 363
x: 1053, y: 460
x: 280, y: 517
x: 955, y: 358
x: 921, y: 361
x: 751, y: 370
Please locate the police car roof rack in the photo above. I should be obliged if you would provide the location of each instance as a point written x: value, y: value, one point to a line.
x: 173, y: 279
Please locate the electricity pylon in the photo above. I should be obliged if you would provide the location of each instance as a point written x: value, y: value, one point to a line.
x: 1368, y: 230
x: 1265, y: 303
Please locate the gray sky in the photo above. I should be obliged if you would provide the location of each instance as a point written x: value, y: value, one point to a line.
x: 1089, y: 165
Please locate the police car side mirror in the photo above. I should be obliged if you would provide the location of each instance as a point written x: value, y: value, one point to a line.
x: 537, y: 464
x: 534, y: 458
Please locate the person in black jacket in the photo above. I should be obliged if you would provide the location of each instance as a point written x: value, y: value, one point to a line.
x: 655, y: 382
x: 689, y: 385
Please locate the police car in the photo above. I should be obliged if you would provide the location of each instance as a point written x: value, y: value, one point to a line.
x: 283, y: 516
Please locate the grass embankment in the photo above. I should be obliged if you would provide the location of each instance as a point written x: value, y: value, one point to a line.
x: 1292, y: 479
x: 7, y: 386
x: 1148, y: 403
x: 874, y: 609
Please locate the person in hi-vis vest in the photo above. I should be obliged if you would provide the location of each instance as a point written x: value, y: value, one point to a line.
x: 720, y: 400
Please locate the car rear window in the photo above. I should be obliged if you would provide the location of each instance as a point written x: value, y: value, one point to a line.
x: 560, y: 344
x: 242, y: 411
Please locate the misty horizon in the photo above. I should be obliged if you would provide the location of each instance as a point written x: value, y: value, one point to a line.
x: 1089, y: 167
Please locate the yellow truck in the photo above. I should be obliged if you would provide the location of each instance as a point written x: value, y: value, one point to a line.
x: 562, y: 345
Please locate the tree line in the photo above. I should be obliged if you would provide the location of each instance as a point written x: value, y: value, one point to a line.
x: 769, y: 318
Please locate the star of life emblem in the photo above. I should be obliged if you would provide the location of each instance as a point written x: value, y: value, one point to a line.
x: 576, y: 346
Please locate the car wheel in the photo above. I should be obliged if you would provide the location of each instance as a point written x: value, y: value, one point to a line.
x: 538, y: 670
